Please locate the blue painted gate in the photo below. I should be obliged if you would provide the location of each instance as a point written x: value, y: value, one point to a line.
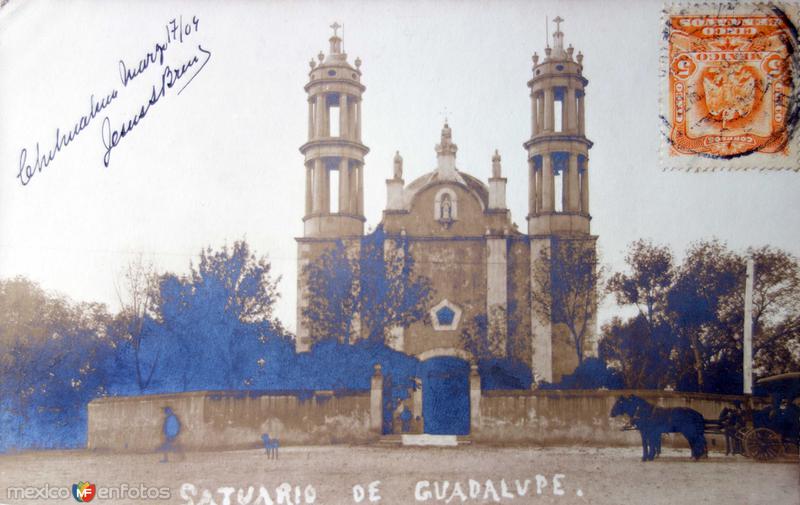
x: 445, y: 396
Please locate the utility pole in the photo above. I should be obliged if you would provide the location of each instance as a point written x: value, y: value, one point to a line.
x: 747, y: 347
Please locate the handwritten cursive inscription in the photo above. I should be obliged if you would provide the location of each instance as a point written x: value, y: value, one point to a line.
x: 172, y: 76
x: 175, y: 33
x: 27, y: 171
x: 169, y: 78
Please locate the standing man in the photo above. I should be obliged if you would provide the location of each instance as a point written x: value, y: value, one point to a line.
x: 171, y: 429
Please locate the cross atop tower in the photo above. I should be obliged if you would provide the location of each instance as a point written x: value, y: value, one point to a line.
x: 336, y: 41
x: 558, y: 40
x: 444, y: 114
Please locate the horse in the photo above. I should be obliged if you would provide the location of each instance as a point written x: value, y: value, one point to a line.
x: 649, y: 446
x: 652, y: 422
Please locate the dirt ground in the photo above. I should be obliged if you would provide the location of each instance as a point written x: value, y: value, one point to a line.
x: 326, y: 475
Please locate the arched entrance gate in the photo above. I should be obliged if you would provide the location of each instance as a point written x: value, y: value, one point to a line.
x: 445, y: 391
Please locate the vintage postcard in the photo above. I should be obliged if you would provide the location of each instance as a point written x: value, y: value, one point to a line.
x: 347, y: 252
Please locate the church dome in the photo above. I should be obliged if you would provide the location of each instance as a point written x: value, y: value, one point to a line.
x: 446, y: 172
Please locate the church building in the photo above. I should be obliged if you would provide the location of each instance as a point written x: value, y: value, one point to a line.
x: 458, y: 227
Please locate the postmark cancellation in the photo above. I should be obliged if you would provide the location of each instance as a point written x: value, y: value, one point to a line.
x: 729, y: 77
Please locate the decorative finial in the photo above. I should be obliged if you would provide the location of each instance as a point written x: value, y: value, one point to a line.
x: 570, y: 50
x: 398, y: 166
x: 358, y: 62
x: 580, y: 58
x: 335, y: 27
x: 446, y: 146
x: 447, y: 134
x: 312, y: 63
x: 535, y: 58
x: 496, y: 170
x: 321, y: 56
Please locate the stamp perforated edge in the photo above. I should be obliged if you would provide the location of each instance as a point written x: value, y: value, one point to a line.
x: 752, y: 161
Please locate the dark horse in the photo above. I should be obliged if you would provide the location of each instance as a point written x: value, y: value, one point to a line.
x: 652, y: 421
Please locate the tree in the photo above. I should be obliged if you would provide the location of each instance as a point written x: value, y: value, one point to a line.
x: 479, y: 340
x: 706, y: 303
x: 29, y: 313
x: 776, y: 311
x: 570, y: 274
x: 648, y: 282
x: 492, y: 347
x: 376, y: 286
x: 640, y: 351
x: 333, y: 294
x: 704, y: 311
x: 691, y: 316
x: 641, y: 347
x: 51, y: 356
x: 137, y: 297
x: 215, y: 321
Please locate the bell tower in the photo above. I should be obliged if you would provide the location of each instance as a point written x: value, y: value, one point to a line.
x: 558, y: 150
x: 334, y: 154
x: 558, y: 192
x: 334, y: 166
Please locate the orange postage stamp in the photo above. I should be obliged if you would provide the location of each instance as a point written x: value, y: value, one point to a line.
x: 730, y: 96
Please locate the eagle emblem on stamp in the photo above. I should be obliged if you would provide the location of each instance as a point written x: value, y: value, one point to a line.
x: 730, y: 91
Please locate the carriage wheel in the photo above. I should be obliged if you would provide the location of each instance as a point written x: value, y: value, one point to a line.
x: 763, y: 444
x: 740, y: 435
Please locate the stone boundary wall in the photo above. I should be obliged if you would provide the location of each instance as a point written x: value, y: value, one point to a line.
x: 213, y: 420
x: 561, y: 417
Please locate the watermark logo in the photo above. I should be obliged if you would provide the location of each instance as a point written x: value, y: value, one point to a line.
x: 84, y: 491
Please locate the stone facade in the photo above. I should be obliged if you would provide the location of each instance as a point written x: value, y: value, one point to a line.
x: 459, y: 229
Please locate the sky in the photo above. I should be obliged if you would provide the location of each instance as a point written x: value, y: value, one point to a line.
x: 220, y: 161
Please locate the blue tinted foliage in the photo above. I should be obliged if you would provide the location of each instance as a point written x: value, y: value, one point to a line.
x: 375, y: 280
x: 504, y: 373
x: 50, y: 367
x: 591, y: 374
x: 210, y: 330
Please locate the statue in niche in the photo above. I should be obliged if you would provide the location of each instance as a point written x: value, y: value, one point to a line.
x: 446, y: 211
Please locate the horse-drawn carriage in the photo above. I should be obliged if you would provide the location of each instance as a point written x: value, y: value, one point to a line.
x: 771, y: 431
x: 762, y: 434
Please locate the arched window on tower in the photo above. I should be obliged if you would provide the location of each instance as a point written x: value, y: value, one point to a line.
x: 333, y: 117
x: 445, y: 206
x: 560, y: 167
x: 558, y: 109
